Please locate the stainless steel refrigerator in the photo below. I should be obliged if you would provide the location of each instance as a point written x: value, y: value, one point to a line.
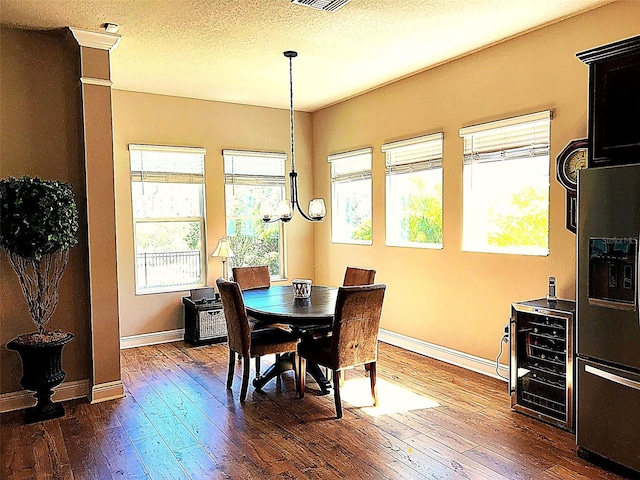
x: 608, y: 317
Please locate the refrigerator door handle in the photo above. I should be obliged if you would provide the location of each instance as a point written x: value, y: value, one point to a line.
x: 612, y: 377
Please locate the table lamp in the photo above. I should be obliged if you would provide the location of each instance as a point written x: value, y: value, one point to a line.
x: 223, y: 250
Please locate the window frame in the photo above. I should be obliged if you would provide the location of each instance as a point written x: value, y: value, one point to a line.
x: 258, y: 181
x: 429, y: 155
x: 346, y: 177
x: 164, y: 177
x: 511, y: 139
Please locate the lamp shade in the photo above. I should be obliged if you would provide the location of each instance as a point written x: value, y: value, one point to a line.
x: 223, y: 249
x: 284, y: 210
x: 317, y: 210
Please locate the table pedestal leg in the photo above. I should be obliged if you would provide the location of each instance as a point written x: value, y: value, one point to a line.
x: 285, y: 364
x: 315, y: 371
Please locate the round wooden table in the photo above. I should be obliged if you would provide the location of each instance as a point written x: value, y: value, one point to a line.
x: 277, y: 304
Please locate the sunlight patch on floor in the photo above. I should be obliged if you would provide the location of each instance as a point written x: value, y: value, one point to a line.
x: 391, y: 398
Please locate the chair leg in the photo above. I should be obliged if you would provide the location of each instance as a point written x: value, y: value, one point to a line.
x: 301, y: 375
x: 336, y: 392
x: 374, y: 386
x: 232, y: 368
x: 257, y: 367
x: 246, y: 364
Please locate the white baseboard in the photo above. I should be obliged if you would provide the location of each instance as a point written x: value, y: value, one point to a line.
x: 24, y: 398
x: 151, y: 338
x: 107, y: 391
x: 454, y: 357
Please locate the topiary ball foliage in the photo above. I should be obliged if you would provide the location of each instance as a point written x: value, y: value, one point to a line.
x: 37, y: 217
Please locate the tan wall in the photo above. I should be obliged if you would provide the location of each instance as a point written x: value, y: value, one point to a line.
x: 40, y: 136
x: 448, y: 297
x: 163, y: 120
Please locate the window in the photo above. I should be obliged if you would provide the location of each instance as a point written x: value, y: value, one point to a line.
x: 414, y: 192
x: 167, y: 193
x: 252, y: 179
x: 351, y: 197
x: 506, y: 186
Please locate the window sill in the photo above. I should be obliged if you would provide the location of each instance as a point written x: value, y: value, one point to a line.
x: 425, y: 246
x: 172, y: 289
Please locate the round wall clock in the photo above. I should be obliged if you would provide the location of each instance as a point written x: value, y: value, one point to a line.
x: 569, y: 161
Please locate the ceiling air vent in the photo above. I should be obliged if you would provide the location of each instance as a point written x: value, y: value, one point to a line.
x: 326, y: 5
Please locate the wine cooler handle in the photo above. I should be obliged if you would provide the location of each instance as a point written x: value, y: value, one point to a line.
x: 612, y: 377
x: 513, y: 361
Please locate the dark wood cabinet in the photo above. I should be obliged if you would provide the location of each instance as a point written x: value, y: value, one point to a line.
x: 204, y: 321
x: 614, y: 103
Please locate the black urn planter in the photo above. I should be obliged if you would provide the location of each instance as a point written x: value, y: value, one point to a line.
x: 41, y: 372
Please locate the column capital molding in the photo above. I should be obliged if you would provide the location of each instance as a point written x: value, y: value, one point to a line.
x: 101, y: 41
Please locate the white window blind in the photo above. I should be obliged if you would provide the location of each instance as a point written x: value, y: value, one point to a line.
x: 414, y: 154
x: 166, y: 164
x: 349, y: 166
x: 513, y: 138
x: 254, y: 168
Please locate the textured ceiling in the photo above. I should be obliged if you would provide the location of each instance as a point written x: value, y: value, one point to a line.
x: 231, y: 50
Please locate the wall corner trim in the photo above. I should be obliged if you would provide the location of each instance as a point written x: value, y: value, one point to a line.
x: 448, y: 355
x: 24, y: 398
x: 107, y: 391
x: 101, y: 41
x: 96, y: 81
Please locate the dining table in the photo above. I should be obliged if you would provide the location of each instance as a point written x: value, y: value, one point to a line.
x: 277, y: 304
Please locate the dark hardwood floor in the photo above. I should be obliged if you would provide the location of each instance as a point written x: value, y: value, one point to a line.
x: 179, y: 421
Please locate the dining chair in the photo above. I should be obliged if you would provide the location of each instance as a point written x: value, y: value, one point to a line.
x: 352, y: 276
x: 245, y: 342
x: 250, y: 278
x: 358, y: 276
x: 354, y: 339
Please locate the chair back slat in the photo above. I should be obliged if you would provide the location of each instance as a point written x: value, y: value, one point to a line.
x: 355, y: 328
x: 252, y: 277
x: 358, y: 276
x: 235, y: 314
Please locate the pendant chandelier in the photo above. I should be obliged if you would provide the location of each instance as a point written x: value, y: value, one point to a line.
x: 285, y: 209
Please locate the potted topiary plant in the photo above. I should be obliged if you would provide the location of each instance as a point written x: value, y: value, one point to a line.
x: 39, y: 224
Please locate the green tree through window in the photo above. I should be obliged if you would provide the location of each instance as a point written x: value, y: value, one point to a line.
x: 526, y: 222
x: 423, y: 214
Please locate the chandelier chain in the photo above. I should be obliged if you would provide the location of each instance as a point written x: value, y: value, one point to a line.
x: 293, y: 159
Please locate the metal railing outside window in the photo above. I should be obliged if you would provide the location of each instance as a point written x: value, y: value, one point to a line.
x: 164, y: 269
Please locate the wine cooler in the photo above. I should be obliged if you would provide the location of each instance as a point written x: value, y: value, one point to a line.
x: 541, y: 378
